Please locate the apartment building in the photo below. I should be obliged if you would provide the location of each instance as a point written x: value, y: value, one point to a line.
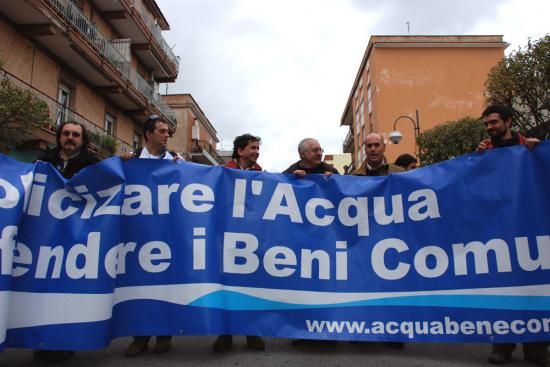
x: 195, y: 137
x: 416, y: 83
x: 97, y: 62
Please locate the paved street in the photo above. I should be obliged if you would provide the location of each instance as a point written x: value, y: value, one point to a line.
x: 196, y: 351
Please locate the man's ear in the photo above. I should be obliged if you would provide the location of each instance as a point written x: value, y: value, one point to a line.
x: 508, y: 121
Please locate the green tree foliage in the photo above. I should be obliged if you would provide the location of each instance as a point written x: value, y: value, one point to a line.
x: 521, y: 81
x: 450, y: 140
x: 20, y: 109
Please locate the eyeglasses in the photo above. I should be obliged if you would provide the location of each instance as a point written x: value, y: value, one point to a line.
x: 317, y: 150
x: 74, y: 134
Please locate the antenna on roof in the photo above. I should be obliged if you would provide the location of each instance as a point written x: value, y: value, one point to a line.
x: 409, y: 28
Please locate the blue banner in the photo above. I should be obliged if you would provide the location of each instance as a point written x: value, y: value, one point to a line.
x: 454, y: 252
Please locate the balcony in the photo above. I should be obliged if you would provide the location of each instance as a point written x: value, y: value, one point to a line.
x: 203, y: 152
x: 155, y: 30
x: 164, y: 108
x: 78, y: 21
x: 131, y: 19
x: 101, y: 141
x: 348, y: 146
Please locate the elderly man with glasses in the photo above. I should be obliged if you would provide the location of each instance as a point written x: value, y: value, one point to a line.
x: 311, y: 160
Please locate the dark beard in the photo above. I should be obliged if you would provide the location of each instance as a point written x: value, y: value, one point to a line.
x: 499, y: 142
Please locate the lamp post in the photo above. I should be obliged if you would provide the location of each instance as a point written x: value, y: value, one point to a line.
x: 396, y: 136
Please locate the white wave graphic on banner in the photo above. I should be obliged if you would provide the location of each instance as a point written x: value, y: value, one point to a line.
x: 36, y: 309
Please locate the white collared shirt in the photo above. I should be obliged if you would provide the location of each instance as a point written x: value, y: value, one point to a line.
x: 145, y: 154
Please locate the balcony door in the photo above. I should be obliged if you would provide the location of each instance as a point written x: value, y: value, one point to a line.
x: 64, y: 99
x: 110, y: 124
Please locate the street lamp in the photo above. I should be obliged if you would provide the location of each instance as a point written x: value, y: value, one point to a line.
x: 395, y: 136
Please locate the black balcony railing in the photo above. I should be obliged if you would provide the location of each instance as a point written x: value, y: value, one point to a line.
x: 100, y: 140
x: 200, y: 145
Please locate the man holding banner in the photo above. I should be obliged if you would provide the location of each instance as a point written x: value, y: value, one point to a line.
x: 68, y: 157
x: 71, y: 153
x: 498, y: 121
x: 377, y: 164
x: 156, y: 134
x: 311, y: 160
x: 246, y: 150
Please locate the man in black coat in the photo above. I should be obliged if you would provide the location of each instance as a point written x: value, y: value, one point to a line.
x: 71, y: 153
x: 311, y: 160
x: 68, y: 157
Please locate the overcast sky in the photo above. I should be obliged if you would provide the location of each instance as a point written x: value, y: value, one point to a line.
x: 283, y: 69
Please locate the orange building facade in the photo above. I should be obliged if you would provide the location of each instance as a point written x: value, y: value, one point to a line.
x: 97, y: 62
x: 195, y: 137
x: 441, y: 77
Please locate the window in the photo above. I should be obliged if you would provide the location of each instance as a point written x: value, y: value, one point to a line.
x: 369, y: 97
x: 362, y: 113
x: 136, y: 141
x: 110, y: 124
x: 64, y: 98
x: 357, y: 122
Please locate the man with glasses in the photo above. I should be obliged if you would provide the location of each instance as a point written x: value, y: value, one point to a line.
x: 71, y: 153
x: 68, y: 157
x: 311, y: 160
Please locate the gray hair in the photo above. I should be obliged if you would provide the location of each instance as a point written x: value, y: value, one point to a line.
x: 302, y: 144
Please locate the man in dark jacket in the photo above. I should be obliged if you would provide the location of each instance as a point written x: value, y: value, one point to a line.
x: 71, y: 153
x: 311, y: 160
x: 68, y: 157
x: 498, y: 121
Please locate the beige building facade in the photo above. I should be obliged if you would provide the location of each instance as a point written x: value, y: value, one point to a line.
x: 340, y: 161
x: 98, y: 62
x: 441, y: 77
x: 195, y: 137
